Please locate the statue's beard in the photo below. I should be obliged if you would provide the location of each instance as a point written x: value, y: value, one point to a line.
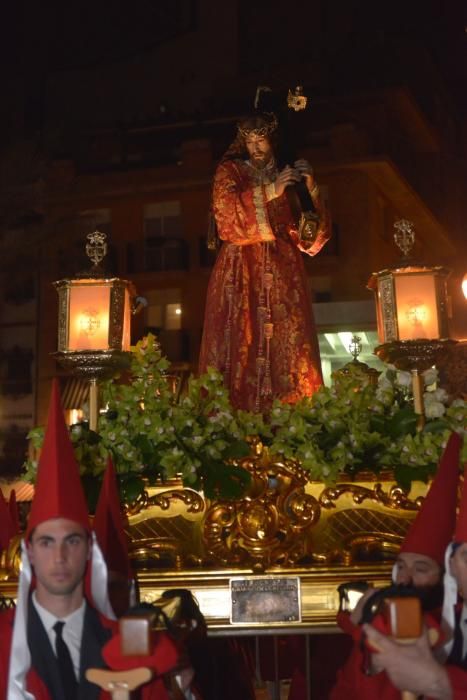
x: 261, y: 160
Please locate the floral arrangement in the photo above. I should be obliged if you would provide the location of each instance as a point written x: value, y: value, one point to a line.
x: 353, y: 425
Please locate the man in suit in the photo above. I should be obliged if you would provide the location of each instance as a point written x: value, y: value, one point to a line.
x: 63, y: 616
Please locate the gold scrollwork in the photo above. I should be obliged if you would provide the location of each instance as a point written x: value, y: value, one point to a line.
x: 193, y: 501
x: 10, y: 559
x: 270, y: 525
x: 395, y: 498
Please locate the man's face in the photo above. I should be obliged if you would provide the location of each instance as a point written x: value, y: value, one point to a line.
x: 459, y: 569
x: 259, y: 149
x: 417, y: 570
x: 58, y: 551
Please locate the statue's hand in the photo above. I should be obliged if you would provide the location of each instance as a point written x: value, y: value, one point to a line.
x: 287, y: 176
x: 305, y: 170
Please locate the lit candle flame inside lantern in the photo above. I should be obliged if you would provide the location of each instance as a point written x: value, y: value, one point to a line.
x: 89, y: 321
x: 416, y: 313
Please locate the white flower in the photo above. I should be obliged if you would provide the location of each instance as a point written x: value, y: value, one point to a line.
x: 440, y: 395
x: 430, y: 376
x: 404, y: 378
x: 434, y: 409
x: 383, y: 383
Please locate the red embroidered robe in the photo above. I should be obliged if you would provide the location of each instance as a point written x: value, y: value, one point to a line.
x: 259, y: 329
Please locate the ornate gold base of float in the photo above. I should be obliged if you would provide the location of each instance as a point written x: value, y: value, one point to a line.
x: 284, y: 527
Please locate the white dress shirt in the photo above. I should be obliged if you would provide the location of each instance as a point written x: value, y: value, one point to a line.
x: 72, y: 630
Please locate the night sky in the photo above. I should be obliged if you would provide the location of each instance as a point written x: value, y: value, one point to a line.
x: 41, y: 38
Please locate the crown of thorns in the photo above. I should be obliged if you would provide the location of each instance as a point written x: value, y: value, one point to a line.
x: 266, y: 129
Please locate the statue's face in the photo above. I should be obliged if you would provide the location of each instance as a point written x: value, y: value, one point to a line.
x: 259, y: 149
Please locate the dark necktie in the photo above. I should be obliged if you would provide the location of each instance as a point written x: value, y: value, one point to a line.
x: 65, y: 664
x: 456, y: 657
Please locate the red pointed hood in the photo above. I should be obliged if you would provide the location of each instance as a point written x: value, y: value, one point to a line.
x: 108, y: 525
x: 433, y: 527
x: 58, y: 492
x: 461, y: 525
x: 14, y: 514
x: 7, y: 528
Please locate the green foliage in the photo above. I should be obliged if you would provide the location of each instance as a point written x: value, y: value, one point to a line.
x: 343, y: 429
x: 354, y: 426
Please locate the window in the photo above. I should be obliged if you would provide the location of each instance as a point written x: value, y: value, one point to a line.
x: 162, y: 219
x: 164, y: 318
x: 164, y: 246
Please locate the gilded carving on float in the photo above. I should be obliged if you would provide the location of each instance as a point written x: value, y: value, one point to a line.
x: 164, y: 526
x: 10, y: 560
x: 270, y: 525
x: 191, y: 500
x: 284, y: 520
x: 395, y: 498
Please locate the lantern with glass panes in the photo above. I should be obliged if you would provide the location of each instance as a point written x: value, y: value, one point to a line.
x: 412, y: 310
x: 94, y: 313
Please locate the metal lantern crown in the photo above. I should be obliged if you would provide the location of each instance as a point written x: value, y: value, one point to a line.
x: 411, y: 300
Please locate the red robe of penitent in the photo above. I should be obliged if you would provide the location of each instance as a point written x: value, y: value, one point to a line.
x: 259, y: 329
